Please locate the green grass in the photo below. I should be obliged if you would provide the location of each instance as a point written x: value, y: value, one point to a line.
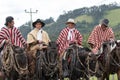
x: 86, y: 18
x: 94, y: 78
x: 113, y: 16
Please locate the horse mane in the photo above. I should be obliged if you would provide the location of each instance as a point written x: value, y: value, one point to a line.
x: 53, y: 45
x: 87, y: 49
x: 17, y: 49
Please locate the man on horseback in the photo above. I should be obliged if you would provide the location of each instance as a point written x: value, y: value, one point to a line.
x: 38, y: 34
x: 69, y: 35
x: 10, y: 34
x: 100, y: 33
x: 38, y: 39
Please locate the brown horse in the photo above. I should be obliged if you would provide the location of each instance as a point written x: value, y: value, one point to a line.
x: 42, y: 61
x: 31, y: 56
x: 14, y: 62
x: 109, y: 60
x: 47, y: 63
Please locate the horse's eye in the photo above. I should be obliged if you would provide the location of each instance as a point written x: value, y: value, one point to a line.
x: 93, y: 61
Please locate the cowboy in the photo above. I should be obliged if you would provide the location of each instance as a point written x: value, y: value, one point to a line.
x: 38, y: 34
x: 100, y: 33
x: 69, y: 35
x: 10, y: 34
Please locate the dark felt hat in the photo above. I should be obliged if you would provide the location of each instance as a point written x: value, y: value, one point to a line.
x: 9, y: 19
x: 38, y: 21
x: 105, y: 22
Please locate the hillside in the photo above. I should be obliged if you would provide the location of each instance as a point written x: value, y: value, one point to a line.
x: 85, y: 18
x: 113, y: 16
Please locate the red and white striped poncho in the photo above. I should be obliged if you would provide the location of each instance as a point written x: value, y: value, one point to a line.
x: 63, y: 42
x: 98, y: 36
x: 13, y: 34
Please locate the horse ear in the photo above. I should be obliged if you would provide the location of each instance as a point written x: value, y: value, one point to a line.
x: 13, y: 47
x: 117, y: 43
x: 49, y: 43
x: 90, y: 54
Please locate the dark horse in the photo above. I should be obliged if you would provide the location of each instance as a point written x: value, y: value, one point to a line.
x: 31, y: 56
x: 47, y: 63
x: 76, y: 62
x: 14, y: 63
x: 109, y: 60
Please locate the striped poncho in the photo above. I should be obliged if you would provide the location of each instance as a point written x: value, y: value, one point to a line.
x: 13, y: 34
x: 63, y: 42
x: 98, y: 36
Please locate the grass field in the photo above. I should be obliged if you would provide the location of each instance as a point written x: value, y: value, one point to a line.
x: 112, y: 77
x: 86, y: 18
x: 113, y: 16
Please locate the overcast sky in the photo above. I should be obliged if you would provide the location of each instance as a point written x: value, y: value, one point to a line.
x: 46, y: 8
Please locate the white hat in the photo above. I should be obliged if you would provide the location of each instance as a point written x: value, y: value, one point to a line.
x: 70, y: 21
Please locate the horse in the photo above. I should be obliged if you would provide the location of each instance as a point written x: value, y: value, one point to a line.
x: 109, y: 60
x: 31, y: 51
x: 76, y: 62
x: 14, y: 63
x: 39, y: 59
x: 47, y: 63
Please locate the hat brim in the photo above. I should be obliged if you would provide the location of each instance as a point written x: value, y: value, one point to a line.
x: 104, y: 24
x: 70, y: 22
x: 34, y: 23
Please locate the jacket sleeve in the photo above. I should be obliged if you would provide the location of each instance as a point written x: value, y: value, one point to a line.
x: 2, y: 38
x: 30, y: 38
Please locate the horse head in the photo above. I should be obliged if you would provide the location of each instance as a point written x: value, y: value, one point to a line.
x: 92, y: 62
x: 117, y: 43
x: 18, y: 50
x: 52, y: 53
x: 14, y: 60
x: 107, y: 46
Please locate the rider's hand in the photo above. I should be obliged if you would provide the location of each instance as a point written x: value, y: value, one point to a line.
x: 7, y: 41
x: 76, y: 41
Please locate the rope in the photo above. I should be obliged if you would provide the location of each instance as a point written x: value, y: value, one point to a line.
x: 19, y: 69
x: 77, y: 56
x: 47, y: 64
x: 96, y: 66
x: 116, y: 63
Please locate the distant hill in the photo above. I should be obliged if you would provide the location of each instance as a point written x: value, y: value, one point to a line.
x: 85, y: 18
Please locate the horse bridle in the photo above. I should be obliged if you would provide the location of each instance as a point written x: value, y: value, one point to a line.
x: 48, y: 64
x: 116, y: 63
x: 78, y: 60
x: 96, y: 66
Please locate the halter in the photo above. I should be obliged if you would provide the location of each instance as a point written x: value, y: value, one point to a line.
x: 77, y: 56
x: 50, y: 68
